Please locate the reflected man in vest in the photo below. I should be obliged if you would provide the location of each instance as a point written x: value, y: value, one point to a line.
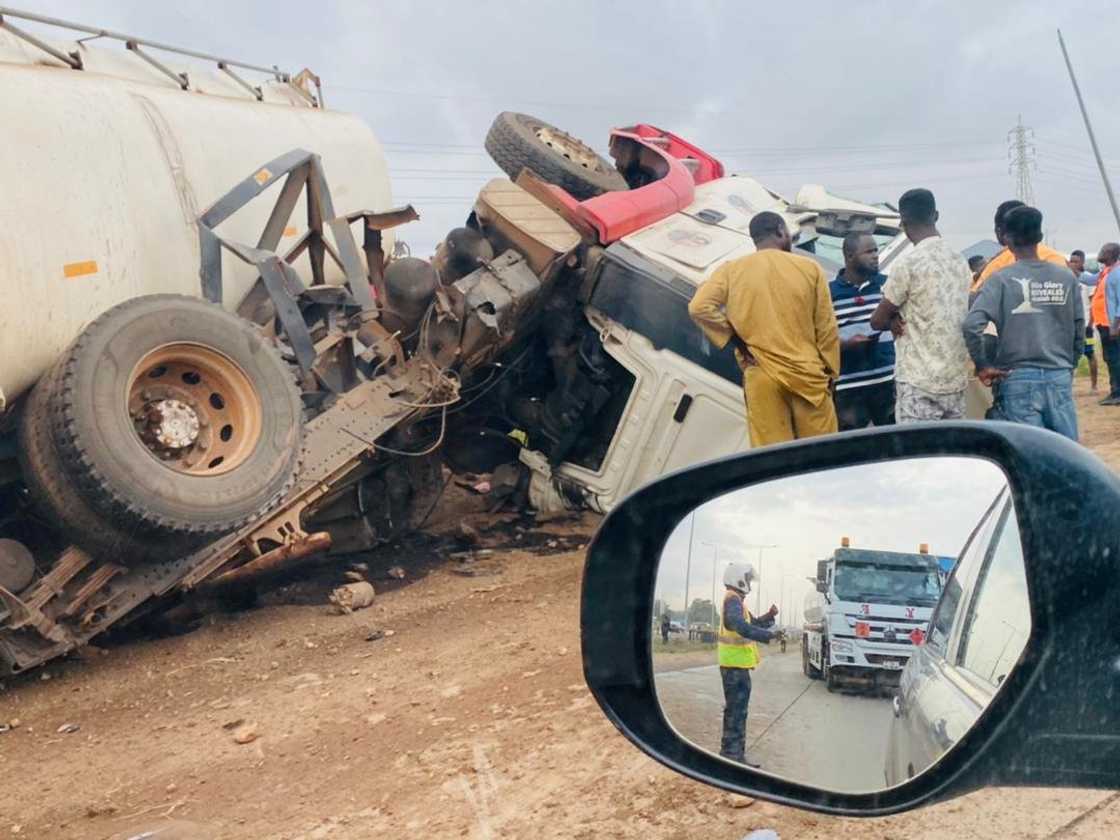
x: 739, y: 634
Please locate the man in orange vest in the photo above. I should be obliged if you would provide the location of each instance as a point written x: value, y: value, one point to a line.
x: 739, y: 635
x: 1104, y: 314
x: 1005, y: 257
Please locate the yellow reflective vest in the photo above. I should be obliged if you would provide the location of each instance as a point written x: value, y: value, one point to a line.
x: 735, y: 651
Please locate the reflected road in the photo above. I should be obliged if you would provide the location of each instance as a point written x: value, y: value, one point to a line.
x: 834, y: 741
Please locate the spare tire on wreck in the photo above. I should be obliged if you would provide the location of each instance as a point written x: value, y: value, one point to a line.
x: 519, y: 141
x: 168, y: 422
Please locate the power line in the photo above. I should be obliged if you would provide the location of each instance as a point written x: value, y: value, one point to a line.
x: 507, y: 100
x: 887, y: 147
x: 1021, y: 151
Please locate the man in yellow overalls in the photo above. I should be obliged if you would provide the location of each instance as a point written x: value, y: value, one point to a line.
x: 739, y: 635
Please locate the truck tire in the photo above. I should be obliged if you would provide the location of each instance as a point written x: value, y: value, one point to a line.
x: 167, y: 422
x: 519, y: 141
x: 806, y: 664
x: 826, y: 670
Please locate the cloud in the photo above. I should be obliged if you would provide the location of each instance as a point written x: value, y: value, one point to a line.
x: 868, y: 99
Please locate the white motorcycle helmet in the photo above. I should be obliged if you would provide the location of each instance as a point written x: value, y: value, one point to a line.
x: 739, y: 576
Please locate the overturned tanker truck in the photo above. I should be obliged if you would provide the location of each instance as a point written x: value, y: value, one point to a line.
x: 210, y: 368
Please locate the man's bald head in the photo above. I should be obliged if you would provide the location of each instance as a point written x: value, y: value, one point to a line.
x: 1109, y: 253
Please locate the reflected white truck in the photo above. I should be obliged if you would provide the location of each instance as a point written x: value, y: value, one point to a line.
x: 869, y: 611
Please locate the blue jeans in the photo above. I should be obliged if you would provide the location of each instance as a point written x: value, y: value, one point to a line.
x: 736, y: 697
x: 1039, y: 397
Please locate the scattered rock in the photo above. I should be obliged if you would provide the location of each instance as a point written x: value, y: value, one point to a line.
x: 233, y: 724
x: 171, y: 788
x: 274, y: 665
x: 375, y: 635
x: 45, y: 676
x: 360, y: 567
x: 68, y: 728
x: 100, y: 809
x: 529, y: 674
x: 246, y: 734
x: 375, y: 718
x: 469, y: 534
x: 389, y: 633
x: 736, y: 801
x: 562, y: 652
x: 310, y: 645
x: 451, y: 691
x: 352, y: 596
x: 397, y: 572
x: 357, y: 577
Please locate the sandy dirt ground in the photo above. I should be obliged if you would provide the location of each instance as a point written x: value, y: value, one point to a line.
x: 454, y: 707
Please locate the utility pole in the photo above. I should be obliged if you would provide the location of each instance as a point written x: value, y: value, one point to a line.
x: 1089, y: 129
x: 760, y: 548
x: 717, y: 615
x: 715, y: 564
x: 1021, y: 153
x: 688, y: 571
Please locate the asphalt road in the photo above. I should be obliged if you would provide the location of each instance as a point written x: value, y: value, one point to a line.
x: 796, y: 729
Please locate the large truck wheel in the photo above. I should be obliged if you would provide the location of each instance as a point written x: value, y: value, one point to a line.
x: 167, y: 422
x: 519, y: 141
x: 811, y: 671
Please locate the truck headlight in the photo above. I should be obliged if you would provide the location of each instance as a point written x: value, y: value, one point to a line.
x: 839, y: 646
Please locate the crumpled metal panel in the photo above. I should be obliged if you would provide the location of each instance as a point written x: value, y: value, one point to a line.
x: 497, y: 299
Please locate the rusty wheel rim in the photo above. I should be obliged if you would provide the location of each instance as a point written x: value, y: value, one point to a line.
x: 569, y: 147
x: 194, y: 409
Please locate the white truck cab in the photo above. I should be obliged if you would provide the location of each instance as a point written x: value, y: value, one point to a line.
x: 868, y: 613
x: 686, y: 402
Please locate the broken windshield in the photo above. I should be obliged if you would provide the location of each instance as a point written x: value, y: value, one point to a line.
x: 887, y: 584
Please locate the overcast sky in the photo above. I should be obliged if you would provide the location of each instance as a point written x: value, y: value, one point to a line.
x: 890, y: 506
x: 869, y: 98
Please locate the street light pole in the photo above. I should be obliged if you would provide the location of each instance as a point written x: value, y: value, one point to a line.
x: 688, y: 570
x: 715, y: 564
x: 758, y: 571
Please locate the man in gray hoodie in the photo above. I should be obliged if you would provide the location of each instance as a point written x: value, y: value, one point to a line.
x: 1037, y: 310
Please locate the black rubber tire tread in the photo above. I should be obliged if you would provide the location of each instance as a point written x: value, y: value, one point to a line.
x: 128, y: 507
x: 811, y: 671
x: 512, y: 143
x: 50, y: 492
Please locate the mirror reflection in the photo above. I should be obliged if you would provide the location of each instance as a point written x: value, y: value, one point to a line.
x: 844, y: 628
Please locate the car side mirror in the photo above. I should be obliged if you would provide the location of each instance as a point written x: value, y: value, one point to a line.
x: 1034, y: 522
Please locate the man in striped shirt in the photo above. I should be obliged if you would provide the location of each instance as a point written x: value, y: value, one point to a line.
x: 865, y: 389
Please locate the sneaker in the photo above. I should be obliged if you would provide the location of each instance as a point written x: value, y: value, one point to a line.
x: 1114, y: 400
